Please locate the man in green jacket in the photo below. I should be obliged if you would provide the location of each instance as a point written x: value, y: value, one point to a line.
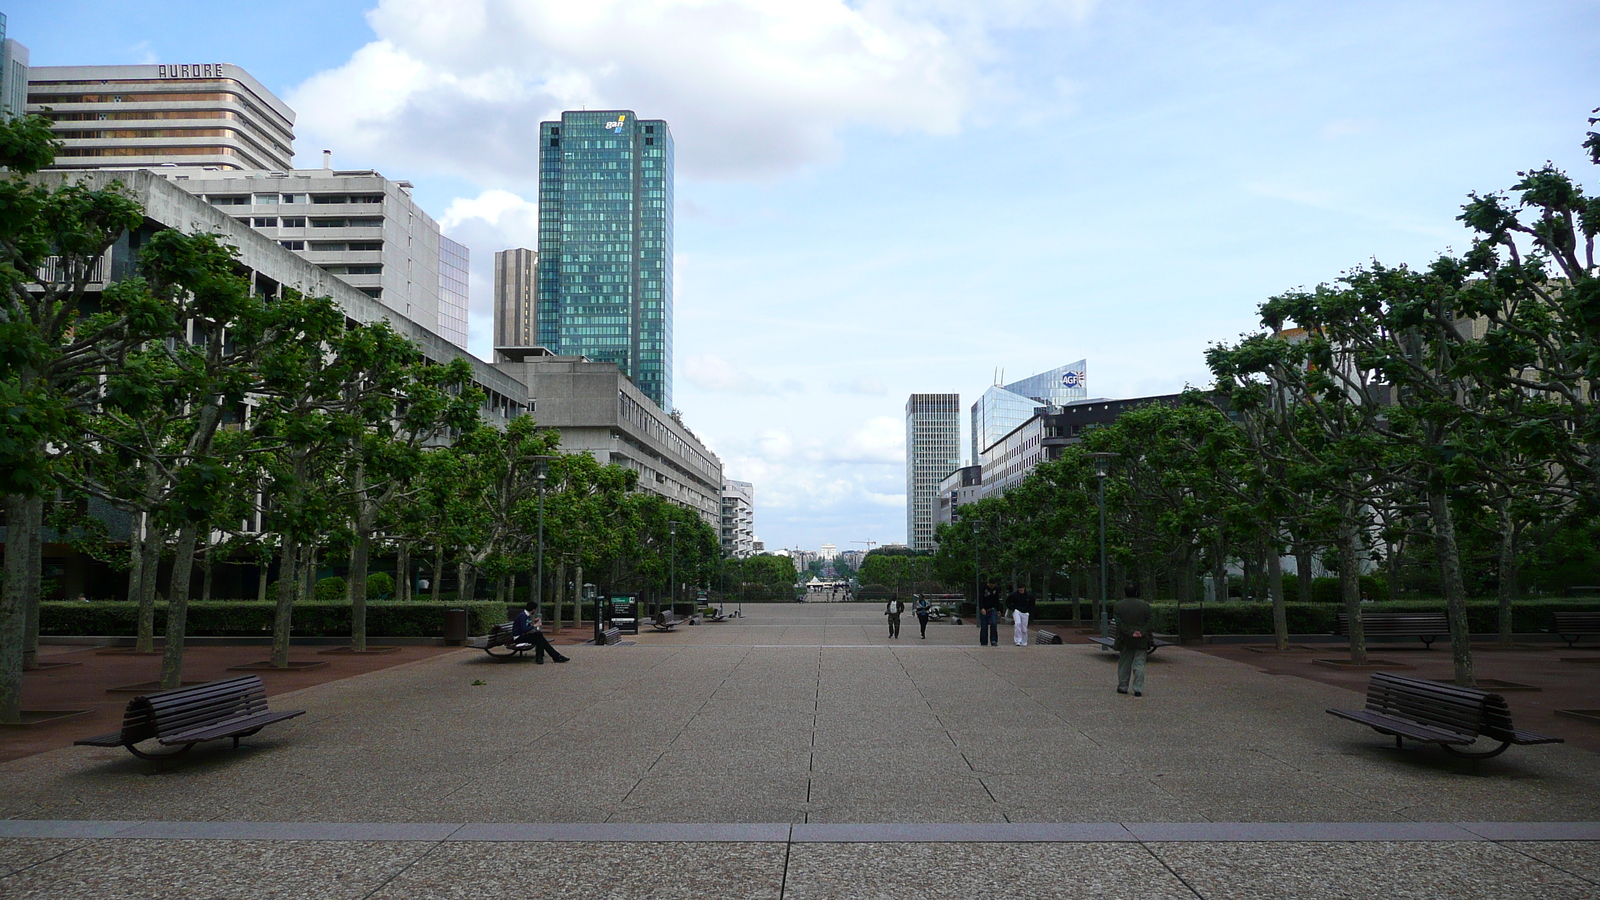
x: 1134, y: 643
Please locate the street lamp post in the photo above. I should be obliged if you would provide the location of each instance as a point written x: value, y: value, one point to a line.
x: 1102, y: 466
x: 541, y: 474
x: 672, y: 569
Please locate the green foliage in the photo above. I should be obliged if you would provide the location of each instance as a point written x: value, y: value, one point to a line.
x: 380, y: 586
x: 331, y: 589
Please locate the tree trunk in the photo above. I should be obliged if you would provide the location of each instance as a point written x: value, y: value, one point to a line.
x: 178, y: 606
x: 438, y: 572
x: 1455, y: 590
x: 466, y: 581
x: 13, y: 608
x: 151, y: 547
x: 577, y: 595
x: 206, y: 568
x: 1393, y: 565
x: 402, y: 571
x: 283, y: 608
x: 308, y: 589
x: 1350, y: 582
x: 135, y: 558
x: 264, y: 566
x: 1219, y: 572
x: 1302, y: 569
x: 1280, y: 613
x: 560, y: 591
x: 356, y: 587
x: 1506, y: 590
x: 30, y: 609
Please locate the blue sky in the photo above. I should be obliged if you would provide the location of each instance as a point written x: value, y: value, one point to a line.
x: 876, y: 198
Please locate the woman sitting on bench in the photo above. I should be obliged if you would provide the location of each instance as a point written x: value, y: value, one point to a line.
x: 526, y: 629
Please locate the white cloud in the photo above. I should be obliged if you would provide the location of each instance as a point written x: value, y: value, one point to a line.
x: 492, y: 221
x: 751, y: 87
x: 870, y: 387
x: 710, y: 372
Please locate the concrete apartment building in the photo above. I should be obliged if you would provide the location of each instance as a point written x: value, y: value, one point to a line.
x: 355, y: 224
x: 191, y: 114
x: 933, y: 450
x: 515, y: 299
x: 738, y: 518
x: 600, y: 411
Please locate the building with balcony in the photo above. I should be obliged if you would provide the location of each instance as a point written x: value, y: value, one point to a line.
x: 200, y: 114
x: 738, y: 518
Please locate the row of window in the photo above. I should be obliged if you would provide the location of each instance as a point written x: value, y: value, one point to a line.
x: 276, y: 198
x: 353, y: 270
x: 300, y: 222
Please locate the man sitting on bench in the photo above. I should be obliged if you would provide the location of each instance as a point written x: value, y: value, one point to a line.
x: 526, y: 630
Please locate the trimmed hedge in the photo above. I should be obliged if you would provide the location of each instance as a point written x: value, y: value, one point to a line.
x: 249, y: 618
x: 1234, y: 617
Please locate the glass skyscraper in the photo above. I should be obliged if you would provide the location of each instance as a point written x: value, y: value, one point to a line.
x: 1002, y: 408
x: 605, y: 243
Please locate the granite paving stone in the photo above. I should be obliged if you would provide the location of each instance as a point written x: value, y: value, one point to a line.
x: 1312, y: 871
x: 1579, y: 858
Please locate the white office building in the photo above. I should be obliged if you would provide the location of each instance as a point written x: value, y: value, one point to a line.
x: 515, y: 299
x: 933, y: 450
x: 738, y: 518
x: 200, y: 114
x: 354, y: 224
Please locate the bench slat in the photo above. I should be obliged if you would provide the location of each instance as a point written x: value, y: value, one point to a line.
x: 1403, y: 727
x: 230, y: 727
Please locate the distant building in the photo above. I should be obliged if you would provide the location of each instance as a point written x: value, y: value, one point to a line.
x: 599, y: 411
x: 605, y: 236
x: 933, y: 450
x: 515, y: 299
x: 962, y: 486
x: 829, y: 552
x: 13, y: 75
x: 1003, y: 407
x: 738, y: 518
x: 354, y: 224
x: 207, y: 114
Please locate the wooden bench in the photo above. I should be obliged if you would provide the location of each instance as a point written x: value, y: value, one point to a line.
x: 231, y: 708
x: 1572, y: 626
x: 612, y: 635
x: 1428, y: 711
x: 1109, y: 642
x: 500, y: 642
x: 666, y: 621
x: 1046, y: 637
x: 1425, y: 627
x: 711, y: 614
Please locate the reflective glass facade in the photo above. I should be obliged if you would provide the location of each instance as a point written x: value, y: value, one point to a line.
x: 605, y: 243
x: 455, y: 261
x: 1004, y: 407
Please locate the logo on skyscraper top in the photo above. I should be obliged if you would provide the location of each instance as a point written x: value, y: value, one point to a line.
x: 616, y: 127
x: 1072, y: 379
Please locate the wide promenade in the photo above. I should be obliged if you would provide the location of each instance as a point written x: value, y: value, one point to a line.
x: 799, y: 753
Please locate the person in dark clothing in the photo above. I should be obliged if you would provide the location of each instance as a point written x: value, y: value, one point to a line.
x: 893, y: 611
x: 526, y: 629
x: 989, y: 615
x: 1021, y: 604
x: 922, y: 608
x: 1134, y: 643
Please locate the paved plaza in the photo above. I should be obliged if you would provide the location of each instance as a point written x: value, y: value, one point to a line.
x: 798, y: 753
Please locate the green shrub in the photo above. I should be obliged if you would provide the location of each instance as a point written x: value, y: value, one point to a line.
x: 331, y: 589
x: 1527, y: 616
x: 379, y: 586
x: 238, y: 618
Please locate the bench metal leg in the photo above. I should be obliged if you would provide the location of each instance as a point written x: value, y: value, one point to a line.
x: 158, y: 756
x: 1478, y: 754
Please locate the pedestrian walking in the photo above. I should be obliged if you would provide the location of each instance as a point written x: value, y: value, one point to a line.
x: 1134, y: 643
x: 989, y: 615
x: 893, y: 611
x: 1021, y: 603
x: 923, y: 608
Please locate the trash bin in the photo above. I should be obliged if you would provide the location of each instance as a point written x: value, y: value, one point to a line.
x: 455, y: 626
x: 1191, y: 624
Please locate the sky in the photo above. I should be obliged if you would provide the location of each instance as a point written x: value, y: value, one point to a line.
x: 879, y: 198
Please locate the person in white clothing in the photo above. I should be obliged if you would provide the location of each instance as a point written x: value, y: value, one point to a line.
x: 1021, y: 604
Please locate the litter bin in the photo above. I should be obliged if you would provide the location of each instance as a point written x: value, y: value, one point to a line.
x: 455, y: 626
x: 1191, y: 624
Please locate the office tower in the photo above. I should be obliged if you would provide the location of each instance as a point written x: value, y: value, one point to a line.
x: 455, y: 266
x: 933, y: 450
x: 355, y: 224
x: 738, y: 518
x: 13, y: 75
x: 514, y: 324
x: 605, y: 238
x: 1004, y: 407
x: 123, y: 117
